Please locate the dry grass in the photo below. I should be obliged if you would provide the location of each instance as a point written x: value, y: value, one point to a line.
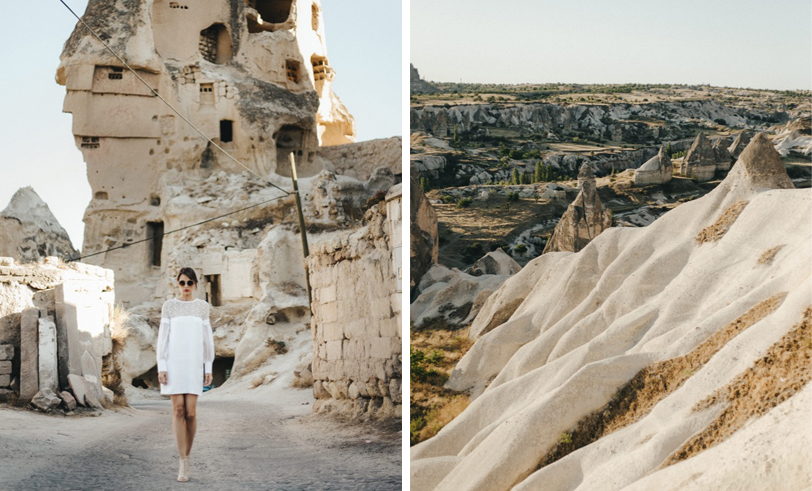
x: 715, y: 232
x: 111, y: 367
x: 434, y: 353
x: 772, y: 379
x: 767, y: 257
x: 653, y: 384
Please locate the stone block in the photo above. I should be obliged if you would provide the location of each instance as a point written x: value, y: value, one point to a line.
x: 7, y: 351
x: 332, y: 331
x: 5, y: 367
x: 333, y: 350
x: 328, y: 294
x: 47, y: 354
x: 6, y: 395
x: 45, y: 399
x: 83, y: 311
x: 29, y: 359
x: 329, y: 312
x: 5, y: 380
x: 68, y: 400
x: 381, y: 348
x: 82, y: 392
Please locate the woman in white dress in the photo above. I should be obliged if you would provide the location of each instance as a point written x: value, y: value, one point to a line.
x: 185, y: 353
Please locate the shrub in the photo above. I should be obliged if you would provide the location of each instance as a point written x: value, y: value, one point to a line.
x: 520, y: 248
x: 464, y: 203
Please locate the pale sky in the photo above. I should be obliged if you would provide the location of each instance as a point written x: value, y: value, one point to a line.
x: 363, y: 43
x: 737, y: 43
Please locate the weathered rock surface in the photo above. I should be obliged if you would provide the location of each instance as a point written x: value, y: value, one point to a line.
x: 700, y: 161
x: 29, y: 231
x: 739, y: 144
x: 584, y: 219
x: 647, y: 299
x: 424, y: 246
x: 360, y: 159
x: 495, y: 262
x: 453, y: 296
x: 657, y: 170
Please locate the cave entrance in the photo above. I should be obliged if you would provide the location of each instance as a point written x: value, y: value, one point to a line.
x: 148, y: 379
x: 155, y: 232
x: 213, y: 295
x: 221, y: 370
x: 215, y: 44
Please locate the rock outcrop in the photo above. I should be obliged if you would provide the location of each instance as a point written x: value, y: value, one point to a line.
x: 666, y: 357
x: 424, y: 246
x: 700, y: 161
x: 657, y: 170
x: 30, y: 232
x: 417, y: 85
x: 584, y: 219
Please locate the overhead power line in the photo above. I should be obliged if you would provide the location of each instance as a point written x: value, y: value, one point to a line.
x: 72, y: 259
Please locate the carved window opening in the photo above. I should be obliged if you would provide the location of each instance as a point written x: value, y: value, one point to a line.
x: 314, y: 20
x: 215, y: 44
x: 207, y: 93
x: 101, y: 195
x: 116, y: 73
x: 292, y: 70
x: 155, y: 232
x: 213, y: 295
x: 90, y: 142
x: 226, y: 130
x: 154, y: 200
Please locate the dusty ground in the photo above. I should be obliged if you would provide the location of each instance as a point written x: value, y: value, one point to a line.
x: 242, y: 442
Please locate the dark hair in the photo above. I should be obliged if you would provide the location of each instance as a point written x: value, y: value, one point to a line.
x: 189, y: 272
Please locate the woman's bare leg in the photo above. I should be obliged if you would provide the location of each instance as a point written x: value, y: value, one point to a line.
x: 191, y: 420
x: 179, y: 423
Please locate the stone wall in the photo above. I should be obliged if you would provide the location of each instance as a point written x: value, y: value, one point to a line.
x: 356, y: 320
x: 359, y: 160
x: 57, y: 319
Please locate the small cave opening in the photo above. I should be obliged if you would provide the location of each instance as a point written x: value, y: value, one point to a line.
x: 101, y: 195
x: 207, y: 93
x: 215, y: 44
x: 292, y: 70
x: 288, y: 139
x: 273, y: 11
x: 221, y: 370
x: 148, y: 379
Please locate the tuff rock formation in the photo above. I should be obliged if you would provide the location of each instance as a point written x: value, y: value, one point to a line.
x: 30, y: 232
x: 423, y: 244
x: 700, y: 161
x: 667, y: 357
x: 584, y: 219
x: 739, y: 144
x: 495, y: 262
x: 657, y: 170
x: 417, y: 85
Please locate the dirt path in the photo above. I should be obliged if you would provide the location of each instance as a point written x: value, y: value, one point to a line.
x: 240, y: 444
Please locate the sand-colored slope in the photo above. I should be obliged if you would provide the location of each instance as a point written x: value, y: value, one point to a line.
x: 631, y: 300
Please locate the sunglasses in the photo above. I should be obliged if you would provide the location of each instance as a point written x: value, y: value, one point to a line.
x: 184, y: 283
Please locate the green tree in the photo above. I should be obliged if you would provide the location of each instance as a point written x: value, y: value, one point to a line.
x: 539, y: 172
x: 514, y: 179
x: 424, y: 184
x: 668, y: 150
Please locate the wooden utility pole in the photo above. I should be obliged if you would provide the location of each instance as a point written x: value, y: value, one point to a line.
x: 305, y: 248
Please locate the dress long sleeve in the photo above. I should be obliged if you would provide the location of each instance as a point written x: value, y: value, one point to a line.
x: 208, y: 342
x: 162, y: 348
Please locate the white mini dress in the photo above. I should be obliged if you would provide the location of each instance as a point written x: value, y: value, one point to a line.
x: 185, y: 347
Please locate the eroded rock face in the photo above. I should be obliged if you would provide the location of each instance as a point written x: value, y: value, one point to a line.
x: 495, y: 262
x: 700, y: 161
x: 424, y: 246
x: 739, y: 144
x: 657, y: 170
x: 590, y: 327
x: 260, y: 88
x: 29, y: 231
x: 584, y: 219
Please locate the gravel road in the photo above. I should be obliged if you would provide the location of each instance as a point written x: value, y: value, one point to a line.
x: 240, y: 444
